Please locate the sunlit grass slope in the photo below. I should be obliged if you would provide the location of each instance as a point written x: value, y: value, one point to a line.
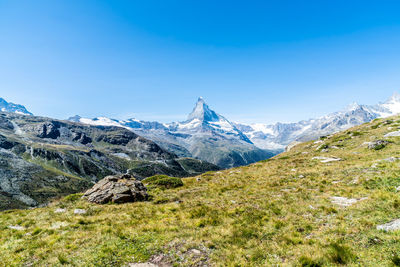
x: 278, y: 212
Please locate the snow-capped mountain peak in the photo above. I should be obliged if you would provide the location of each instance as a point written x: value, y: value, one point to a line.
x: 395, y: 98
x: 14, y: 108
x: 353, y: 106
x: 203, y: 112
x: 393, y: 104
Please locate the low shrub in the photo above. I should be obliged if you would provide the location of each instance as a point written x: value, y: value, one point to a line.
x: 305, y: 261
x: 163, y: 181
x: 340, y: 254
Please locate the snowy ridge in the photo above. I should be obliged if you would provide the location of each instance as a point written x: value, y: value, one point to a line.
x: 205, y: 130
x: 205, y: 134
x: 282, y: 134
x: 14, y: 108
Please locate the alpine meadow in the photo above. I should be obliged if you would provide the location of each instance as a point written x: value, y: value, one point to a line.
x: 199, y: 133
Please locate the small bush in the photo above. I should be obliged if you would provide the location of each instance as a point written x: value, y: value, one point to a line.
x: 395, y: 259
x: 62, y: 259
x: 324, y: 146
x: 379, y: 147
x: 305, y: 261
x: 73, y: 198
x: 340, y: 254
x: 355, y: 133
x: 163, y: 181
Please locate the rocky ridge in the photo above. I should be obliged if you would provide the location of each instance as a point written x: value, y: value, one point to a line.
x: 42, y: 158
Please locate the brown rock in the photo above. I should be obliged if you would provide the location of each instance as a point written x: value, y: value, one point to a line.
x: 117, y: 189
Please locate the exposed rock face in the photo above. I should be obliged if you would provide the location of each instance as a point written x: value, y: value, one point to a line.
x: 117, y: 189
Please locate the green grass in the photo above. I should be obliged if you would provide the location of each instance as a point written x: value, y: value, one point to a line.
x: 271, y: 213
x: 163, y: 181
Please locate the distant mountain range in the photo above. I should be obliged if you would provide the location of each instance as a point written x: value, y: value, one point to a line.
x: 209, y: 136
x: 42, y: 158
x: 204, y: 135
x: 279, y: 135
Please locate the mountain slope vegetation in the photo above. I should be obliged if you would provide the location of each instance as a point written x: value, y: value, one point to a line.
x: 318, y: 204
x: 42, y: 158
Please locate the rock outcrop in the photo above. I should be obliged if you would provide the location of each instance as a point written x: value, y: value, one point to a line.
x: 117, y: 189
x: 378, y: 144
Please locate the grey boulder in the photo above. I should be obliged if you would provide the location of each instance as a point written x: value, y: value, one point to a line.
x: 117, y: 189
x: 379, y: 144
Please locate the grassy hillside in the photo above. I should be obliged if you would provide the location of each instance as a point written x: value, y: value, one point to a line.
x: 42, y: 158
x: 278, y: 212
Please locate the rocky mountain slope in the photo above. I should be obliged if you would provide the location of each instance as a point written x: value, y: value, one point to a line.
x: 42, y: 158
x: 279, y: 135
x: 205, y: 135
x: 328, y: 202
x: 209, y: 136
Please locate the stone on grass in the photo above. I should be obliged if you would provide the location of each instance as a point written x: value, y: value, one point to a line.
x: 60, y: 210
x: 326, y: 159
x: 378, y: 144
x: 145, y: 264
x: 391, y: 159
x: 391, y: 226
x: 344, y: 202
x: 396, y: 133
x: 79, y: 211
x: 117, y: 189
x: 58, y: 225
x: 16, y: 227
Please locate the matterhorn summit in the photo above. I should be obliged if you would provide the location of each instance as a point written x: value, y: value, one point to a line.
x: 203, y: 112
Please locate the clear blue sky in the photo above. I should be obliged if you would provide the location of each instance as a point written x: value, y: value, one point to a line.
x: 252, y: 61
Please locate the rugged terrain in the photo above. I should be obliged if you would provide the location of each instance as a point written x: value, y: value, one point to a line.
x: 278, y: 136
x: 42, y: 158
x: 210, y: 136
x: 323, y: 203
x: 205, y: 135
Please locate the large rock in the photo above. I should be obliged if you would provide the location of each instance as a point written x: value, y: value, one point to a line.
x: 378, y: 144
x: 117, y: 189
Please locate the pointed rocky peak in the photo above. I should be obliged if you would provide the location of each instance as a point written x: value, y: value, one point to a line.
x: 353, y: 106
x: 14, y: 108
x: 203, y: 112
